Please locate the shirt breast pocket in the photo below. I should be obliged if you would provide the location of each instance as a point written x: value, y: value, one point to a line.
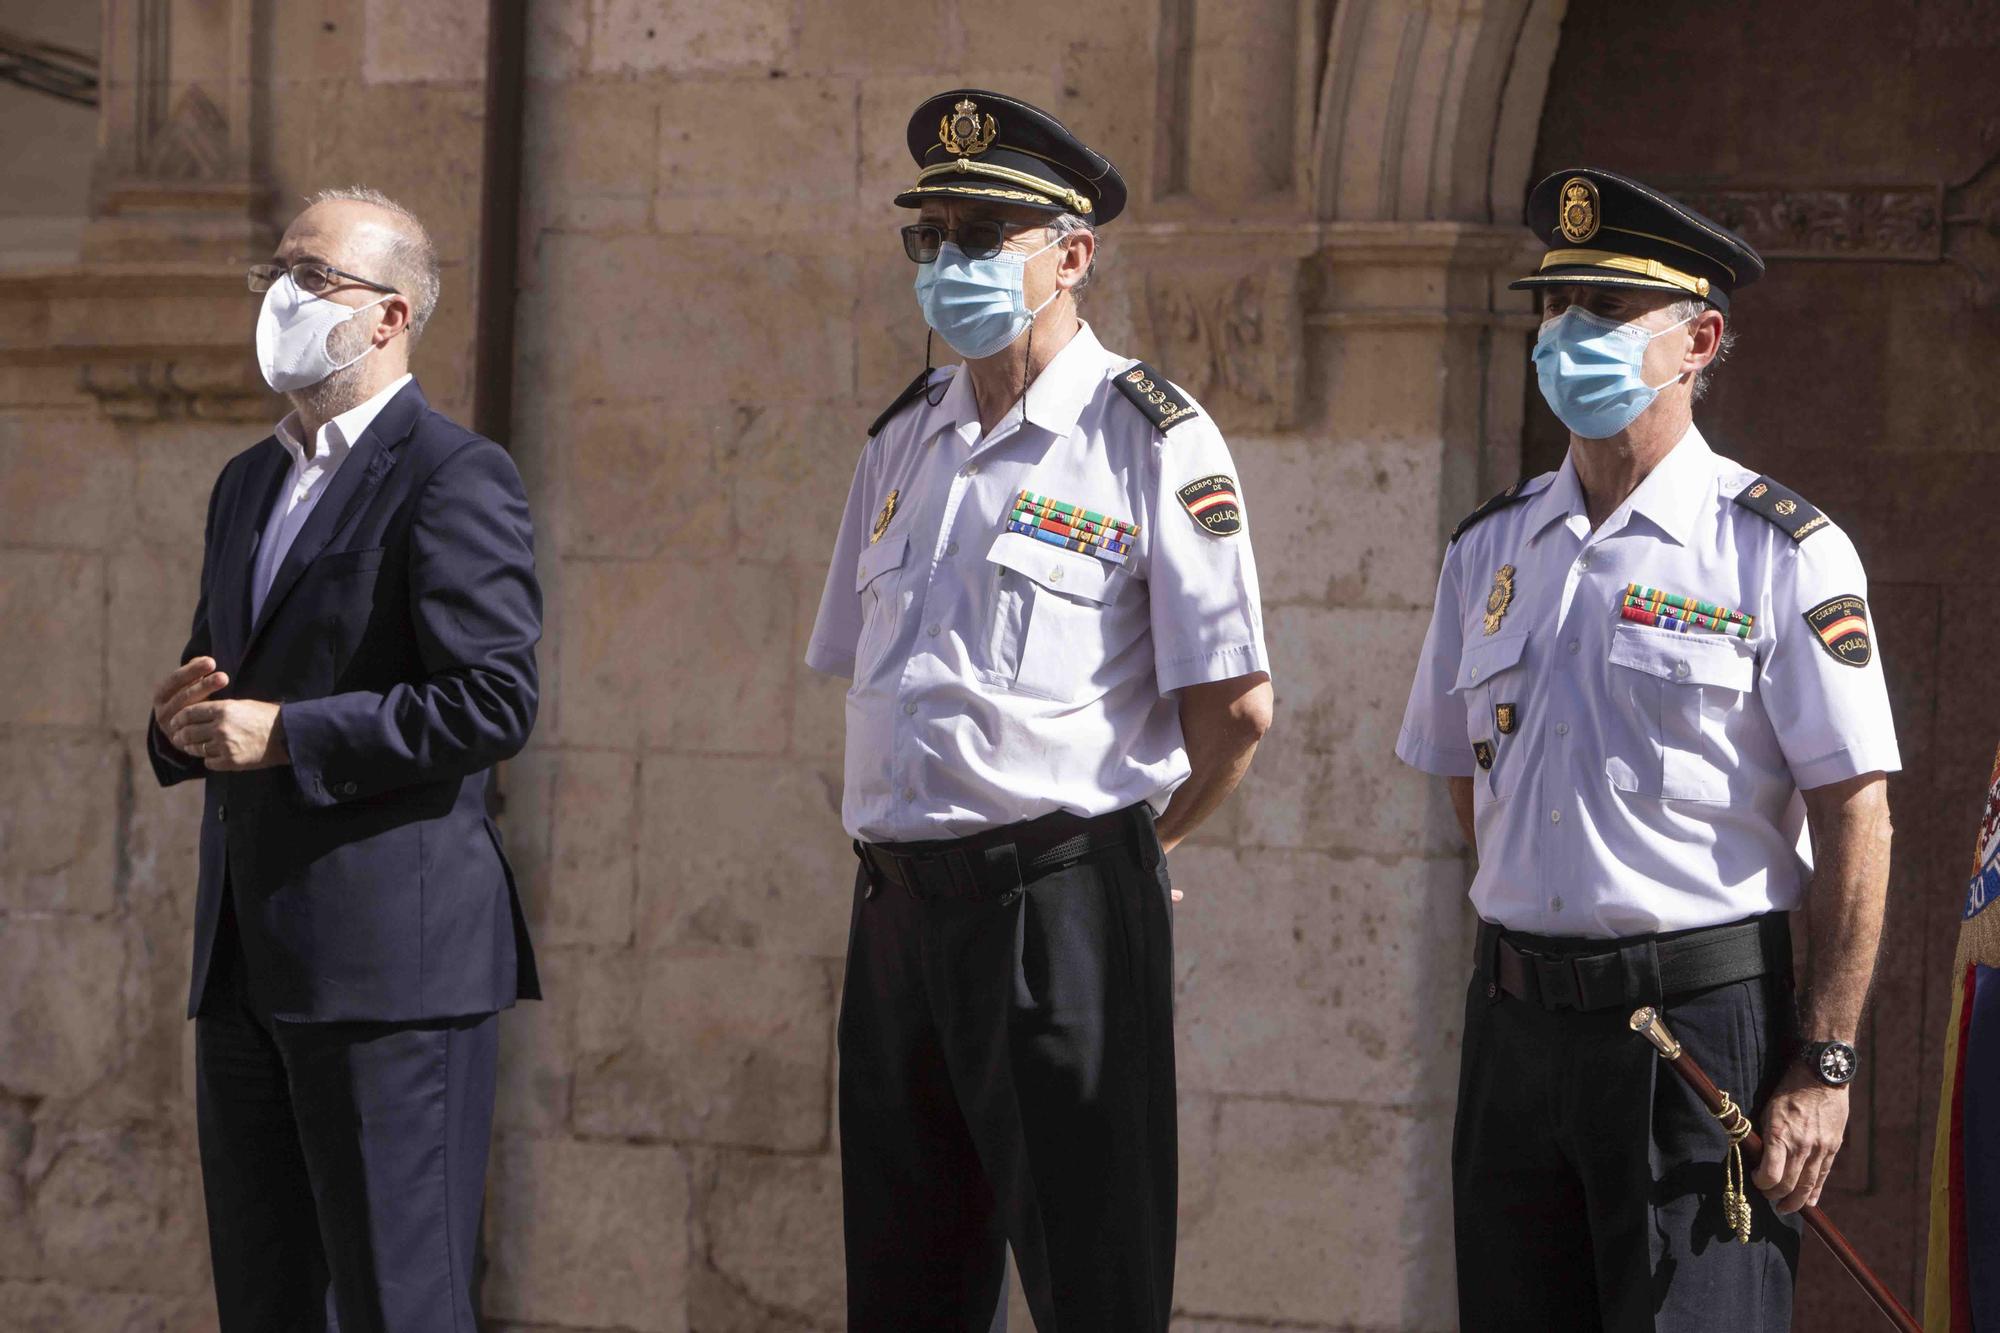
x: 877, y: 585
x: 1489, y: 675
x: 1049, y: 630
x: 1672, y: 695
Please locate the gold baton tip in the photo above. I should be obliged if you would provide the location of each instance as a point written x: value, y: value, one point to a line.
x: 1648, y: 1024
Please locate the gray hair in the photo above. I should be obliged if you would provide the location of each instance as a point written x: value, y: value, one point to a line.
x: 411, y: 258
x: 1066, y: 225
x: 1689, y: 309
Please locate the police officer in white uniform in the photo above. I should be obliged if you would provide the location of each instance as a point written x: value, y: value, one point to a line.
x: 1644, y: 671
x: 1044, y: 595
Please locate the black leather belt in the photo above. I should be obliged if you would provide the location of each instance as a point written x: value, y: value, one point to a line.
x: 1586, y: 974
x: 1001, y: 860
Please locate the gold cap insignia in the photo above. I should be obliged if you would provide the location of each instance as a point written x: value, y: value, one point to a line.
x: 882, y: 519
x: 1498, y: 600
x: 965, y: 133
x: 1577, y: 219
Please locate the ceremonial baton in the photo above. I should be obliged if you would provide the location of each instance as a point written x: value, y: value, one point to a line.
x: 1648, y: 1024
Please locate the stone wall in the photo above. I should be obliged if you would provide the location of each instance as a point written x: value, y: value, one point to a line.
x: 712, y: 306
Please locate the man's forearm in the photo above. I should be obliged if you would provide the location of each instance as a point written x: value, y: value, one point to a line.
x: 1850, y: 886
x: 1211, y: 779
x: 1221, y: 724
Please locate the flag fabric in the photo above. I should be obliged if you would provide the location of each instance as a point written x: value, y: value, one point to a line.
x: 1962, y: 1293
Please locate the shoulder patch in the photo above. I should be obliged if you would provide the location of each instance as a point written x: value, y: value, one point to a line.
x: 1782, y: 507
x: 1512, y: 495
x: 1842, y: 626
x: 1211, y: 502
x: 903, y: 400
x: 1149, y: 390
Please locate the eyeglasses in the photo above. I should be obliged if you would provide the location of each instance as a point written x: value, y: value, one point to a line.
x: 980, y: 238
x: 310, y: 276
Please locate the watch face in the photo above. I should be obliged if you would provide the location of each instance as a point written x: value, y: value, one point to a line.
x: 1836, y: 1063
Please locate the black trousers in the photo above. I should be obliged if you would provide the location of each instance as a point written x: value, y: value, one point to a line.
x: 344, y: 1165
x: 1587, y: 1179
x: 1007, y: 1076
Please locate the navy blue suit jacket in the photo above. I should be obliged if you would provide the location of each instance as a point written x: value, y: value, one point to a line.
x: 399, y: 637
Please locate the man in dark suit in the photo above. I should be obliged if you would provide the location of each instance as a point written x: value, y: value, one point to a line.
x: 363, y: 653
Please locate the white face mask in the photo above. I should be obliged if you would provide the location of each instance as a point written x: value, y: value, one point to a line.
x: 292, y: 329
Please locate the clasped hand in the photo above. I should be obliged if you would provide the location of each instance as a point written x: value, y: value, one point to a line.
x: 227, y: 735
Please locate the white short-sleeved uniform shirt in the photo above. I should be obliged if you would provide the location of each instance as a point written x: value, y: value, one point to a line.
x: 999, y: 676
x: 1632, y: 777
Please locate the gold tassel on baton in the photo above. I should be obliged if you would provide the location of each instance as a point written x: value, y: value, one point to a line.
x: 1743, y: 1138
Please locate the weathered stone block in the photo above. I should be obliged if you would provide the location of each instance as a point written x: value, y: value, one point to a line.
x: 1327, y: 776
x: 587, y: 1235
x: 162, y: 832
x: 52, y: 604
x: 790, y: 474
x: 625, y: 298
x: 591, y: 881
x: 58, y: 823
x: 429, y: 43
x: 538, y: 1048
x: 644, y: 479
x: 744, y: 854
x: 732, y: 154
x: 61, y: 1003
x: 558, y: 38
x: 1307, y: 975
x: 1361, y: 509
x: 595, y: 147
x: 20, y: 1250
x: 356, y: 120
x: 644, y: 645
x: 688, y: 36
x: 48, y: 1307
x: 64, y: 481
x: 772, y: 1227
x: 1317, y: 1214
x: 120, y: 1208
x: 178, y: 463
x: 153, y: 594
x: 876, y: 36
x: 722, y: 1049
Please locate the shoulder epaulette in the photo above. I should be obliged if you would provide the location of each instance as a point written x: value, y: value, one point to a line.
x: 1512, y: 495
x: 1152, y: 393
x: 903, y: 400
x: 1784, y: 508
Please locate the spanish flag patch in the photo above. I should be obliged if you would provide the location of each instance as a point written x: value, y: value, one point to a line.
x: 1212, y: 502
x: 1842, y: 626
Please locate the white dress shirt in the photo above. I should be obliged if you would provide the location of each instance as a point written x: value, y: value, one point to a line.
x: 998, y: 677
x: 1630, y: 778
x: 306, y: 482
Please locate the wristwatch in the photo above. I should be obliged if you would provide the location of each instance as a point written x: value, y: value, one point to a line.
x: 1834, y: 1063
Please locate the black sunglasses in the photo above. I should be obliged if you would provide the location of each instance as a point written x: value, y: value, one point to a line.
x: 981, y: 238
x: 310, y: 276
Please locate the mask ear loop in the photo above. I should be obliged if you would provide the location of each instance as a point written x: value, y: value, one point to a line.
x: 1028, y: 366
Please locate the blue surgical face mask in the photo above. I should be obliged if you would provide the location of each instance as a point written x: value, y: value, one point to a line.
x: 1591, y: 371
x: 977, y: 305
